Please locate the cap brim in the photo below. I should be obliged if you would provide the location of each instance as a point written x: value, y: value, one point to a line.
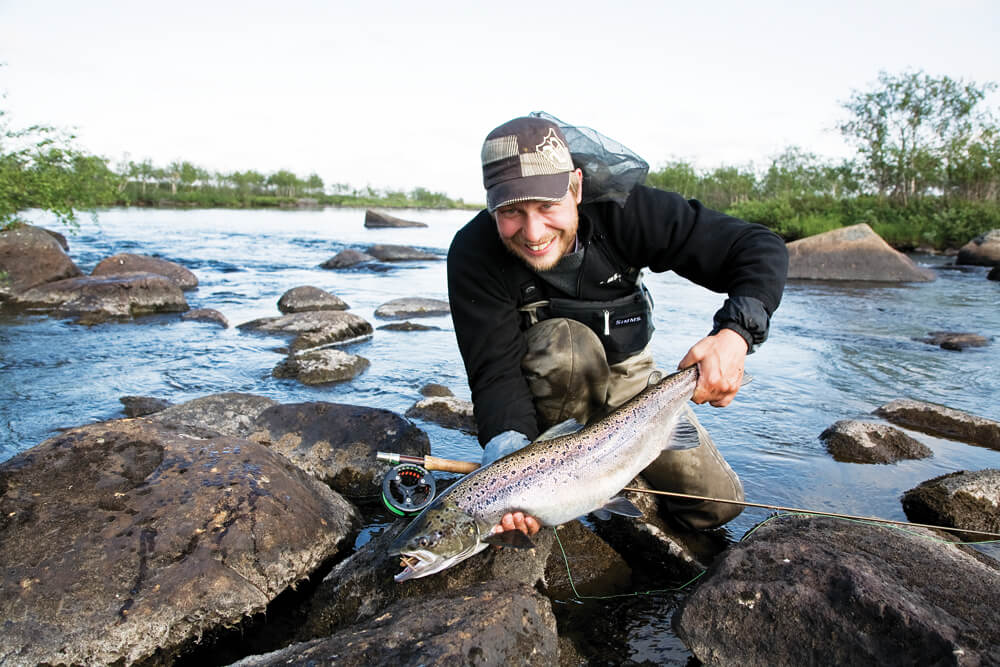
x: 548, y: 187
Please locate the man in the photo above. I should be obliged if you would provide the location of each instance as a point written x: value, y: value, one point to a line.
x: 552, y: 320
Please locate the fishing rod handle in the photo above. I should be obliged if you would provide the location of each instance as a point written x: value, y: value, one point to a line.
x: 449, y: 465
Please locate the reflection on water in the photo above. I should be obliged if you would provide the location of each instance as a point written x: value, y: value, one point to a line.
x: 837, y: 351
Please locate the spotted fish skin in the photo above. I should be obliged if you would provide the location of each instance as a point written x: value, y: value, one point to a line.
x: 553, y: 480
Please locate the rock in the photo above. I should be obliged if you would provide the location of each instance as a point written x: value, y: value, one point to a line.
x: 228, y: 413
x: 595, y: 567
x: 140, y: 406
x: 984, y: 250
x: 124, y: 263
x: 321, y: 366
x: 400, y: 309
x: 407, y: 326
x: 491, y: 624
x: 399, y: 253
x: 942, y: 421
x: 337, y: 443
x: 818, y: 591
x: 314, y: 327
x: 307, y: 297
x: 206, y: 315
x: 61, y: 238
x: 98, y: 299
x: 361, y: 587
x: 446, y: 411
x: 851, y: 253
x: 434, y: 389
x: 953, y: 340
x: 994, y: 273
x: 31, y: 256
x: 962, y: 499
x: 377, y: 220
x: 346, y: 259
x: 122, y: 542
x: 850, y: 441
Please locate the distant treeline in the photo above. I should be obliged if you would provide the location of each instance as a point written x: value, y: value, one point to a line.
x: 926, y: 173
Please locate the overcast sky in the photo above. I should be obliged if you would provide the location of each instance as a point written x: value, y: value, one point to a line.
x: 400, y: 94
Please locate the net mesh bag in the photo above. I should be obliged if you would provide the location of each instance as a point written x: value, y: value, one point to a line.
x: 610, y: 170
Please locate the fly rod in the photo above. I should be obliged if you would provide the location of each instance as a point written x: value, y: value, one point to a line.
x: 450, y: 465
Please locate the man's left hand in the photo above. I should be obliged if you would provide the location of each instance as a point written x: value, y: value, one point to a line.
x: 720, y: 360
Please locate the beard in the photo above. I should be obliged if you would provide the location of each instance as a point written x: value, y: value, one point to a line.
x: 562, y: 243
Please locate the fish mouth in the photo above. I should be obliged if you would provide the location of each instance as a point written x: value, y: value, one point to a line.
x: 418, y: 564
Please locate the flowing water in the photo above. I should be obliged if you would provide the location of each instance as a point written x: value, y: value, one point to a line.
x: 837, y: 351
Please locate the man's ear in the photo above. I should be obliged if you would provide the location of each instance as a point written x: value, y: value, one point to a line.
x: 579, y: 190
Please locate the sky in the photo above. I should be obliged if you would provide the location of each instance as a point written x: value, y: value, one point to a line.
x: 399, y: 95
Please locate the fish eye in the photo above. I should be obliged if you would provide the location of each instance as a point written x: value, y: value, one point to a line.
x: 422, y: 541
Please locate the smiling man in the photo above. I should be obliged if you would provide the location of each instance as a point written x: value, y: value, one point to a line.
x: 553, y: 321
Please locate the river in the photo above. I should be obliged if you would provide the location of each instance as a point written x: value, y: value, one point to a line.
x: 836, y: 351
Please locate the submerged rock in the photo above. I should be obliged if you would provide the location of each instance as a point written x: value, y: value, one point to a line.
x: 818, y: 591
x: 407, y: 326
x: 348, y: 258
x: 852, y: 441
x: 32, y: 256
x: 379, y: 220
x: 851, y: 253
x: 984, y: 250
x: 400, y: 253
x: 963, y: 499
x: 955, y: 340
x: 206, y: 315
x: 306, y: 298
x: 140, y: 406
x: 405, y: 307
x: 124, y: 541
x: 125, y: 263
x: 321, y: 366
x: 942, y: 421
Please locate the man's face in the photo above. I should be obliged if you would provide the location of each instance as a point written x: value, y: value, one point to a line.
x: 540, y: 232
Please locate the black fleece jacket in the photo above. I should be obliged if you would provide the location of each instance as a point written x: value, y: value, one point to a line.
x: 655, y: 229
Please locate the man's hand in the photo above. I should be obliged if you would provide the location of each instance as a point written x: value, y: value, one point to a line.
x: 720, y: 361
x: 517, y: 521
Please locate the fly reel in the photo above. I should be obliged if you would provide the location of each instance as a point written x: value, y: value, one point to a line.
x: 407, y: 489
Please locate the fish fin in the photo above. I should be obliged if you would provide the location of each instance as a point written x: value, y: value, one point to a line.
x: 567, y: 427
x: 747, y: 379
x: 688, y: 433
x: 510, y: 538
x: 622, y: 505
x: 602, y: 514
x: 654, y: 378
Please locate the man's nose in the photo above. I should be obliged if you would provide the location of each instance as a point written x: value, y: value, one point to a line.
x: 534, y: 226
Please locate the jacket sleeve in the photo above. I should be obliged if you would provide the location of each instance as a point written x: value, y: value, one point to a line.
x: 488, y: 333
x: 746, y: 261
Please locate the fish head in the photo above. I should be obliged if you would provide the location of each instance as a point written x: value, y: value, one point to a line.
x: 440, y: 536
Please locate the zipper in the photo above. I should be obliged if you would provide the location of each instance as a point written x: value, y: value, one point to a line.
x: 607, y: 322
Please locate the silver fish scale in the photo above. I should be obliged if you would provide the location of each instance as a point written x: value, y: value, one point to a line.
x: 561, y: 479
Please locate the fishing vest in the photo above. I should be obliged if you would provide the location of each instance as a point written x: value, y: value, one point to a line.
x: 611, y: 301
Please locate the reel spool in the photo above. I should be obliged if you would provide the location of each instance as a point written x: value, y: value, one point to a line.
x: 407, y: 489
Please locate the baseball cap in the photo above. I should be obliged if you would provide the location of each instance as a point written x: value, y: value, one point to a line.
x: 525, y: 159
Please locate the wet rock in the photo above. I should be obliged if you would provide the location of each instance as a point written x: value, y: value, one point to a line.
x: 206, y: 315
x: 963, y: 499
x: 61, y: 238
x: 817, y: 591
x: 595, y: 568
x: 408, y: 326
x: 124, y: 541
x: 852, y: 441
x: 491, y: 624
x: 984, y: 250
x: 307, y: 297
x: 994, y: 273
x: 98, y: 299
x: 400, y: 309
x: 313, y: 328
x: 31, y: 256
x: 399, y: 253
x: 321, y: 366
x: 851, y: 253
x: 337, y: 443
x: 125, y: 263
x: 446, y: 411
x: 228, y: 413
x: 942, y: 421
x: 361, y: 587
x: 954, y: 340
x: 140, y: 406
x: 379, y: 220
x: 346, y: 259
x: 434, y: 389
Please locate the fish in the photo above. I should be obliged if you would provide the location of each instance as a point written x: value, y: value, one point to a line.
x: 566, y: 473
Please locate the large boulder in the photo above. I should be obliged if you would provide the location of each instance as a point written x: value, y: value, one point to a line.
x: 447, y: 411
x: 379, y: 220
x: 963, y: 499
x: 31, y: 256
x: 337, y: 443
x: 851, y: 441
x: 984, y: 250
x: 942, y: 421
x: 95, y: 299
x: 851, y: 253
x: 819, y: 591
x: 228, y: 413
x: 124, y: 542
x: 129, y: 263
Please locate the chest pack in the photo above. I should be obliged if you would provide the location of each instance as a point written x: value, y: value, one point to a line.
x: 610, y: 300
